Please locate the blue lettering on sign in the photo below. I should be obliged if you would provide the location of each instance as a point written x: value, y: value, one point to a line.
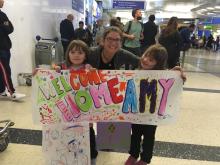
x: 117, y: 4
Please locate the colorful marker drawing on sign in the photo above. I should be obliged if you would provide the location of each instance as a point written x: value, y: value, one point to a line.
x: 66, y: 144
x: 144, y: 97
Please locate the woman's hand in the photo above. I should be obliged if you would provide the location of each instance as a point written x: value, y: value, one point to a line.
x: 89, y: 67
x: 182, y: 74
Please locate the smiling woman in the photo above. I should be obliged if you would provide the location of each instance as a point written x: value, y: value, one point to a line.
x: 109, y: 55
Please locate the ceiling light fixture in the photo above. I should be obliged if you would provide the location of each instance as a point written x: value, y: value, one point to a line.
x: 217, y: 7
x: 210, y: 8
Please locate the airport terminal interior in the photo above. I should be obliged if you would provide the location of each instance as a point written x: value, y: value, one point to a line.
x: 193, y: 139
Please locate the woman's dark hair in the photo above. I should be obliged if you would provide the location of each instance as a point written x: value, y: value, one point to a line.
x: 118, y: 18
x: 114, y: 22
x: 79, y: 46
x: 171, y: 26
x: 159, y: 53
x: 112, y: 29
x: 81, y: 22
x: 192, y: 25
x: 172, y: 20
x: 117, y: 23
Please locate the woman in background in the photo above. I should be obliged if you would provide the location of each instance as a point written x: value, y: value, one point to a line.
x: 171, y: 40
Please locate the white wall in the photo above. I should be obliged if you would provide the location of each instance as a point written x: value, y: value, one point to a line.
x: 31, y: 18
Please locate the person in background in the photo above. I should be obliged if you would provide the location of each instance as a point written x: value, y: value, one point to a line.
x: 185, y: 34
x: 217, y: 43
x: 115, y: 22
x: 209, y: 42
x: 121, y: 24
x: 171, y: 40
x: 80, y: 33
x: 133, y: 33
x: 118, y: 18
x: 67, y: 31
x: 194, y: 41
x: 89, y: 35
x: 150, y: 32
x: 204, y: 41
x: 6, y: 28
x: 99, y: 31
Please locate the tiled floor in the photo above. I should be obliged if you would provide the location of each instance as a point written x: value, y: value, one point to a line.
x: 192, y: 140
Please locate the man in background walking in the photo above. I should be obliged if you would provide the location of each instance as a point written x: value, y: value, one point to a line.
x: 133, y: 33
x: 67, y: 31
x: 150, y: 32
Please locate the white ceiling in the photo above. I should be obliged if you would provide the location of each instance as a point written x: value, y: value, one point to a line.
x: 183, y: 8
x: 179, y: 8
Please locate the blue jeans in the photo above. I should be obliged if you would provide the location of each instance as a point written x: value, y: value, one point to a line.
x: 5, y: 72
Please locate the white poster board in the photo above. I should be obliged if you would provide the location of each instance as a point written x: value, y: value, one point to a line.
x: 141, y: 97
x: 66, y: 144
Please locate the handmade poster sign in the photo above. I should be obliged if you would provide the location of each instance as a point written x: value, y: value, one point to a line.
x: 66, y: 144
x: 142, y: 97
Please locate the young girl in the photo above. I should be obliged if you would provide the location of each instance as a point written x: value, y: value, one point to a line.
x: 154, y: 58
x: 76, y: 57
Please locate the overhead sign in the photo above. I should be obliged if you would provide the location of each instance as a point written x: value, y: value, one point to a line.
x: 119, y: 4
x: 208, y: 21
x: 78, y: 5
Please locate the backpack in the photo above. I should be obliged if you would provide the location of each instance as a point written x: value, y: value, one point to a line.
x: 127, y: 31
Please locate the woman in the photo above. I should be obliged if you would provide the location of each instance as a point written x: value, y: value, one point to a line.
x: 109, y: 54
x: 171, y: 40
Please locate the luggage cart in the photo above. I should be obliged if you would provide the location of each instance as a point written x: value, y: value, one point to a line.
x: 46, y: 52
x: 4, y: 134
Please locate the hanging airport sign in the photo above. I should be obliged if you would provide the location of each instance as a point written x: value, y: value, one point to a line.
x: 209, y: 21
x: 120, y: 4
x: 78, y: 5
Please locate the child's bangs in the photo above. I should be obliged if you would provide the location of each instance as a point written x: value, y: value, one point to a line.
x: 77, y: 48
